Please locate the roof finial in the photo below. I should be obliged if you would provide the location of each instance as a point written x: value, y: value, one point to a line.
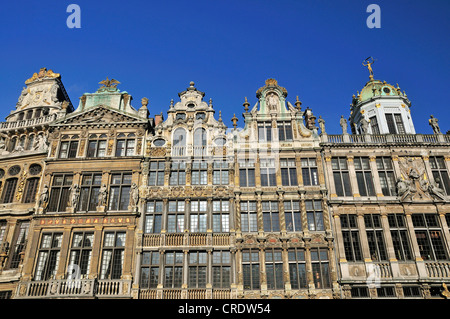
x: 246, y: 105
x: 234, y: 119
x: 210, y: 103
x: 298, y: 104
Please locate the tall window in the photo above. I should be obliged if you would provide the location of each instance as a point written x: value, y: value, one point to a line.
x: 247, y: 173
x: 200, y: 142
x: 297, y: 268
x: 320, y: 268
x: 220, y: 173
x: 68, y: 149
x: 440, y: 173
x: 309, y: 172
x: 221, y: 216
x: 149, y: 269
x: 265, y: 131
x: 387, y: 177
x: 288, y: 172
x: 267, y: 169
x: 175, y: 216
x: 364, y: 176
x: 284, y: 131
x: 173, y: 270
x: 19, y: 242
x: 125, y: 144
x: 97, y: 145
x: 429, y: 237
x: 292, y: 216
x: 90, y: 187
x: 274, y: 269
x: 198, y: 212
x: 197, y: 269
x: 60, y: 191
x: 113, y: 254
x: 156, y: 174
x: 395, y: 123
x: 48, y: 256
x: 179, y: 142
x: 9, y: 190
x: 81, y: 251
x: 2, y: 231
x: 314, y: 215
x: 30, y: 142
x: 248, y: 217
x: 153, y: 217
x: 221, y: 269
x: 271, y: 219
x: 350, y: 234
x: 250, y: 269
x: 199, y: 173
x: 178, y: 173
x: 400, y: 238
x: 341, y: 176
x: 119, y: 197
x: 30, y: 190
x: 374, y: 231
x: 374, y: 125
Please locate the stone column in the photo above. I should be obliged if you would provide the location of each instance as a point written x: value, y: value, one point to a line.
x: 281, y: 212
x: 389, y: 245
x: 352, y: 176
x: 298, y: 165
x: 64, y: 253
x: 329, y: 171
x: 363, y: 237
x: 127, y: 272
x: 375, y: 176
x: 445, y: 228
x: 96, y: 253
x: 32, y: 250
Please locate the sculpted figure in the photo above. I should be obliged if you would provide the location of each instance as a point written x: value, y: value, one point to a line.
x: 134, y: 195
x: 343, y: 123
x: 272, y: 101
x: 102, y: 195
x: 434, y: 124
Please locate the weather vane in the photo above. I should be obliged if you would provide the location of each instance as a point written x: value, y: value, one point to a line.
x: 369, y: 61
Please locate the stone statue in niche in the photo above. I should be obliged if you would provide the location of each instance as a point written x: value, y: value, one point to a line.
x: 74, y: 196
x: 102, y: 195
x: 43, y: 199
x: 413, y: 183
x: 272, y: 101
x: 40, y: 144
x: 134, y: 195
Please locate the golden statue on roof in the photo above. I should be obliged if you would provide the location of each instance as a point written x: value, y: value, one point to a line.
x: 369, y: 61
x: 109, y: 83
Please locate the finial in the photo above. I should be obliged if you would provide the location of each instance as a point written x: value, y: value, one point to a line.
x: 298, y: 104
x: 171, y: 103
x: 246, y: 105
x: 191, y: 83
x: 144, y: 102
x: 220, y: 116
x: 210, y: 102
x: 234, y: 119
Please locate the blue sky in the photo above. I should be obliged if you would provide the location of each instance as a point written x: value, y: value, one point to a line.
x: 229, y: 48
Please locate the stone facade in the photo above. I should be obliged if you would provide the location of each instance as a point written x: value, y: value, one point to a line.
x: 108, y: 202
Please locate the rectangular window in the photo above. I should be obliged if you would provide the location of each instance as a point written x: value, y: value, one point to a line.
x: 247, y: 173
x: 364, y: 176
x: 68, y: 149
x: 113, y: 254
x: 9, y: 190
x: 198, y: 215
x: 178, y: 173
x: 153, y: 217
x: 309, y: 172
x: 350, y: 234
x: 197, y: 269
x: 248, y: 217
x: 390, y: 123
x: 386, y: 292
x: 314, y: 215
x: 156, y: 173
x: 81, y: 252
x: 149, y: 269
x: 119, y: 191
x: 374, y: 125
x: 320, y: 268
x: 271, y: 219
x: 288, y: 172
x: 173, y: 270
x: 359, y: 292
x: 375, y: 237
x: 387, y: 177
x: 175, y: 216
x: 429, y: 237
x: 30, y: 190
x: 400, y: 237
x: 19, y: 242
x: 297, y: 268
x: 59, y: 193
x: 292, y: 216
x: 411, y: 291
x: 440, y: 173
x: 274, y: 269
x: 96, y: 148
x: 220, y: 173
x: 284, y: 131
x: 90, y: 188
x: 265, y: 131
x: 125, y: 147
x: 399, y: 124
x: 250, y: 269
x: 341, y: 176
x: 221, y: 216
x: 267, y: 169
x: 48, y: 256
x: 199, y: 173
x: 221, y: 269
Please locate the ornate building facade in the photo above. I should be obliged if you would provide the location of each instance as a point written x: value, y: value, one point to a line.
x: 104, y: 201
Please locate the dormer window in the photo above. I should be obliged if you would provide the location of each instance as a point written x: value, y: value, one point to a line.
x: 180, y: 116
x: 191, y: 105
x: 200, y: 116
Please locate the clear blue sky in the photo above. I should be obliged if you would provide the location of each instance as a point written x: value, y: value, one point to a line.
x: 229, y: 48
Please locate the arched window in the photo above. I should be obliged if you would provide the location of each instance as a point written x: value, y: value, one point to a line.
x: 30, y: 142
x: 9, y: 190
x: 179, y: 137
x: 200, y: 137
x: 12, y: 144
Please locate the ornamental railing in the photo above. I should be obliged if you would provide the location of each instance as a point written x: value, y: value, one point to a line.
x: 385, y: 138
x: 27, y: 123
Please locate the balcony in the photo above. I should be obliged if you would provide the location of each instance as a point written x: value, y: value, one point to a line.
x: 436, y: 269
x: 186, y: 239
x: 22, y: 124
x: 82, y: 288
x: 189, y: 293
x: 385, y: 139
